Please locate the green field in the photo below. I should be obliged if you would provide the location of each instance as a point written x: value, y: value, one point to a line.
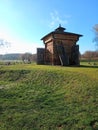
x: 39, y: 97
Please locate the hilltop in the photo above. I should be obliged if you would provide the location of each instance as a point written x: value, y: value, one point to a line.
x: 36, y: 97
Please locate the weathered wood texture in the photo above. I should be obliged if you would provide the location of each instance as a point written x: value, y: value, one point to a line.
x: 61, y: 48
x: 40, y: 55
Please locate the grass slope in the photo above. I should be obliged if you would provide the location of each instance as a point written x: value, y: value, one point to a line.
x: 48, y: 98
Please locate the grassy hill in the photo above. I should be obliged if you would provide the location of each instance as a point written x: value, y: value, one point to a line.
x: 48, y: 97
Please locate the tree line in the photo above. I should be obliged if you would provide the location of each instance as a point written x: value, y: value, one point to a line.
x: 89, y: 55
x: 25, y: 57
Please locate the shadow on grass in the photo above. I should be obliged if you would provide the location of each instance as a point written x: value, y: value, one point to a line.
x: 88, y: 66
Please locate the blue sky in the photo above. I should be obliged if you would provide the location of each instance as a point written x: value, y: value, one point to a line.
x: 24, y: 22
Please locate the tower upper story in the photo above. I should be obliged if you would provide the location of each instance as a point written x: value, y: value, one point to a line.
x: 60, y: 34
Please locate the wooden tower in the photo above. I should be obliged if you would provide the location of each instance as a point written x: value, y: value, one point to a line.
x: 61, y: 48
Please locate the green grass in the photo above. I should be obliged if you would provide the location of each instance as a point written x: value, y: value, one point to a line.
x: 36, y: 97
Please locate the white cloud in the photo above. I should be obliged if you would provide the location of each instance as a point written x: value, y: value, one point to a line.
x: 16, y: 45
x: 57, y: 19
x: 19, y: 47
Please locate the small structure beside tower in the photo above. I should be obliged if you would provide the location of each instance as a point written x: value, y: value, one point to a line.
x: 60, y: 48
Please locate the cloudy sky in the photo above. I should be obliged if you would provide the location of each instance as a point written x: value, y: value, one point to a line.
x: 24, y: 22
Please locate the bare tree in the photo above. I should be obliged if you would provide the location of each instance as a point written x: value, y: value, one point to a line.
x: 4, y: 43
x: 95, y: 28
x: 88, y: 55
x: 1, y: 42
x: 27, y: 57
